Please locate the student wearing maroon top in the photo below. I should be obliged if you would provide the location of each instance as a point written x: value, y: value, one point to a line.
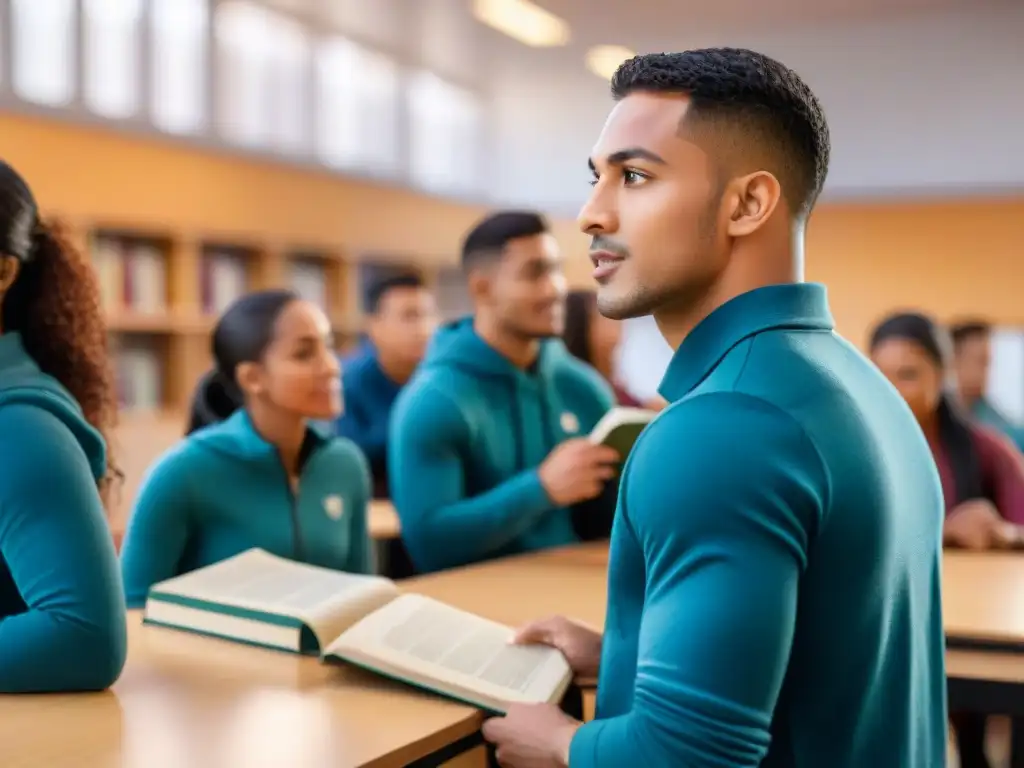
x: 982, y: 473
x: 593, y: 338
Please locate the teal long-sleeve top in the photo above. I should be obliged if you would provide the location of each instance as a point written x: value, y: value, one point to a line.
x: 224, y: 490
x: 62, y: 613
x: 774, y: 576
x: 468, y: 435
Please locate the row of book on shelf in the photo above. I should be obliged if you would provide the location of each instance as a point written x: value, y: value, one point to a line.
x: 133, y: 276
x: 134, y: 281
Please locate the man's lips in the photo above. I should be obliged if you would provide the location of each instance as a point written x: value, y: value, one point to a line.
x: 605, y: 264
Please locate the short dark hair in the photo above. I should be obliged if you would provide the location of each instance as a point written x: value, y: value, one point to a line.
x: 376, y: 293
x: 766, y: 98
x: 489, y: 237
x: 965, y: 330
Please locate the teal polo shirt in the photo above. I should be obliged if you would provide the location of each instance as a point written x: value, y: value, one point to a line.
x: 774, y: 574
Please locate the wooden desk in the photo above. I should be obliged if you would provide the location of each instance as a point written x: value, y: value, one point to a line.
x: 983, y: 599
x: 186, y: 701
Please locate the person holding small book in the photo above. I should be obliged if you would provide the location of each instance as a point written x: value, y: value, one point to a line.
x: 488, y: 453
x: 62, y: 613
x: 256, y: 468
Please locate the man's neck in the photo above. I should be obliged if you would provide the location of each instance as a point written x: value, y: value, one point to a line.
x: 969, y: 400
x: 519, y: 351
x: 747, y: 272
x: 396, y: 370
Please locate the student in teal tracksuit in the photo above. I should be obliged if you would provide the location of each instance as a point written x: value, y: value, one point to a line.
x: 254, y: 471
x: 774, y: 576
x: 62, y: 615
x: 488, y: 453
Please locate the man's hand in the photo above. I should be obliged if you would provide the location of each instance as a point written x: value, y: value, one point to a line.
x: 577, y: 470
x: 977, y: 525
x: 532, y: 736
x: 580, y: 644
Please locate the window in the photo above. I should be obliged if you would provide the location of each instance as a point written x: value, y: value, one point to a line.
x: 357, y: 108
x: 179, y: 64
x: 263, y: 64
x: 111, y: 43
x: 445, y: 132
x: 43, y: 50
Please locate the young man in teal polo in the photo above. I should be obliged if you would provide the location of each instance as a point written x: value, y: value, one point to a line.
x: 774, y: 575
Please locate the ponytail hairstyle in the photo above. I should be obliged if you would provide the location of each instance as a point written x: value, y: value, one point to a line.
x: 55, y: 305
x: 955, y: 431
x: 242, y: 335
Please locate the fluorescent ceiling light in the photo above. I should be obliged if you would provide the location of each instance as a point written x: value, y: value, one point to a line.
x: 523, y: 21
x: 603, y: 60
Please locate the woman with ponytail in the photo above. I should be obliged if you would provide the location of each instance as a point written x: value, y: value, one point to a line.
x: 256, y: 468
x: 982, y: 474
x: 62, y: 613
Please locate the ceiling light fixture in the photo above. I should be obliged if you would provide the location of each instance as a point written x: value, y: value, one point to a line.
x: 603, y: 60
x: 523, y: 21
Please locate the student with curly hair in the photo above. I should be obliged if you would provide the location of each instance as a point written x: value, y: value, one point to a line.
x: 62, y: 614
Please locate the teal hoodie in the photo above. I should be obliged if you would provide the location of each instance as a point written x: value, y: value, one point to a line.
x: 984, y: 412
x: 62, y: 614
x: 467, y: 436
x: 224, y: 490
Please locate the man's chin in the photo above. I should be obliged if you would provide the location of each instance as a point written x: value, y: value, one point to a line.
x: 619, y: 305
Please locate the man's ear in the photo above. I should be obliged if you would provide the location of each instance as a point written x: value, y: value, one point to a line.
x: 9, y: 269
x: 753, y: 199
x: 479, y: 281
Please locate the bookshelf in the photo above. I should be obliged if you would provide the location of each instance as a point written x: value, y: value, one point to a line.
x: 162, y: 294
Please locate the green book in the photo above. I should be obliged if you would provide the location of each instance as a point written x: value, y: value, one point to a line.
x: 261, y: 599
x: 620, y: 428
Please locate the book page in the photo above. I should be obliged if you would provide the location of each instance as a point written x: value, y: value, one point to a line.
x: 429, y: 642
x: 326, y: 600
x: 616, y: 418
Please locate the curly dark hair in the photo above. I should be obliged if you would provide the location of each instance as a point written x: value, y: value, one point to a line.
x: 761, y: 97
x: 55, y: 305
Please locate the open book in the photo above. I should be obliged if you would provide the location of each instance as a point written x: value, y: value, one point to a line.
x: 261, y: 599
x: 620, y: 427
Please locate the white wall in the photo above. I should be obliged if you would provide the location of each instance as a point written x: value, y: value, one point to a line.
x: 916, y: 104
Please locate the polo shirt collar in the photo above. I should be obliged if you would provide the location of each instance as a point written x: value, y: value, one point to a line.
x: 802, y: 306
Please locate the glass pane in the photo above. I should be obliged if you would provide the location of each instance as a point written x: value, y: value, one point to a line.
x: 290, y: 73
x: 111, y: 30
x: 356, y: 108
x: 43, y: 50
x: 445, y: 128
x: 263, y: 77
x: 179, y: 64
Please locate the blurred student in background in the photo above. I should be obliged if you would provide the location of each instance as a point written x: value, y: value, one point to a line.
x: 488, y: 449
x: 62, y: 616
x: 972, y: 355
x: 982, y: 475
x: 255, y: 470
x: 401, y: 317
x: 595, y: 339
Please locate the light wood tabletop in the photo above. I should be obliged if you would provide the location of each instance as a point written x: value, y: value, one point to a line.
x: 186, y: 701
x: 983, y: 596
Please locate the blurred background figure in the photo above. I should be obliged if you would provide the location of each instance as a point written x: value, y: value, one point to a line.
x: 596, y: 340
x: 972, y: 364
x: 401, y: 317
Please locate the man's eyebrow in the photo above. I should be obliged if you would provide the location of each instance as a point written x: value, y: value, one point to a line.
x: 624, y: 156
